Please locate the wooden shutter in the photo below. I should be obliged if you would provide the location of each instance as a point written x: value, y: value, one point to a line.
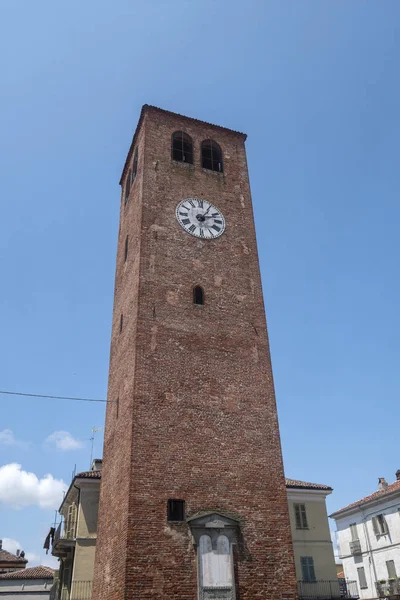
x: 303, y: 516
x: 361, y: 577
x: 307, y: 568
x: 375, y: 526
x: 297, y: 515
x: 391, y: 569
x: 354, y: 532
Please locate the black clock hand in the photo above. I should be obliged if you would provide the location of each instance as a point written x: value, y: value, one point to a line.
x: 207, y: 211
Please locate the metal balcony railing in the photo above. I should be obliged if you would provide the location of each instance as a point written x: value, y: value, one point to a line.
x: 79, y: 590
x: 355, y: 547
x: 388, y: 589
x: 335, y: 589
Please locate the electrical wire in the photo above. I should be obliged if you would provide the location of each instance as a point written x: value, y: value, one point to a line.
x: 57, y: 397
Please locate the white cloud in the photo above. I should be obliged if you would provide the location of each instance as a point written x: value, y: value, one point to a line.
x: 50, y: 561
x: 20, y: 488
x: 33, y: 559
x: 7, y: 438
x: 63, y: 440
x: 11, y: 545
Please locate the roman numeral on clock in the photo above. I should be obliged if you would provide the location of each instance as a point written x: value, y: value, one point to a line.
x: 200, y: 203
x: 191, y: 203
x: 192, y: 227
x: 186, y: 221
x: 216, y: 228
x: 183, y: 214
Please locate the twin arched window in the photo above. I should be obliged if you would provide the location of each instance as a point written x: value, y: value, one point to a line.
x: 182, y: 151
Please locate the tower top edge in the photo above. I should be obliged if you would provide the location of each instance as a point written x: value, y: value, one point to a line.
x: 148, y: 108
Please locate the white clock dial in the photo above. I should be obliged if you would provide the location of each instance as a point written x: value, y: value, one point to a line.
x: 200, y: 218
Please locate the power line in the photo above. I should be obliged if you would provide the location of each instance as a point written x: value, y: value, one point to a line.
x: 56, y: 397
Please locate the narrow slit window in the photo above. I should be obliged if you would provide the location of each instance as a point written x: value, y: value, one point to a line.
x: 127, y: 186
x: 198, y: 295
x: 211, y: 156
x: 121, y: 322
x: 126, y: 248
x: 182, y: 147
x: 134, y: 166
x: 176, y: 510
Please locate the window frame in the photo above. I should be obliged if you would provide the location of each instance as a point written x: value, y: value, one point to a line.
x: 307, y: 569
x: 185, y: 153
x: 172, y: 511
x: 379, y: 525
x: 362, y: 580
x: 300, y: 515
x: 218, y: 148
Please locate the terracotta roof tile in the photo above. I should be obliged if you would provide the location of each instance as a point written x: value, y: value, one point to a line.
x: 393, y: 487
x: 32, y: 573
x: 295, y: 483
x: 12, y: 558
x: 89, y: 474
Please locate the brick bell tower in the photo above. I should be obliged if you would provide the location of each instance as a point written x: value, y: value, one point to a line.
x: 193, y: 499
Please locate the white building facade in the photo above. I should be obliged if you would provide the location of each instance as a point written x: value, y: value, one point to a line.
x: 368, y: 534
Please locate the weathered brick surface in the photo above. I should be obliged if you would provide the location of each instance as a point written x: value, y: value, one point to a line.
x: 197, y: 417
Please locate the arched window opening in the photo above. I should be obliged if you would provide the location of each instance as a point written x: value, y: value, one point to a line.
x: 211, y: 156
x: 121, y: 323
x: 182, y: 147
x: 126, y: 248
x: 134, y: 165
x: 198, y: 295
x: 127, y: 186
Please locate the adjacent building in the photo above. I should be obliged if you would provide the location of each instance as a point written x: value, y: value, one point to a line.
x: 11, y: 562
x: 27, y: 584
x: 75, y: 539
x: 368, y: 533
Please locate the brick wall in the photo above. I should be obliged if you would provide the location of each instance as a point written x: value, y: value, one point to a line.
x: 197, y: 416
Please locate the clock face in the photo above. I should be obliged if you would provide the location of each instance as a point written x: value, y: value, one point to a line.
x: 200, y: 218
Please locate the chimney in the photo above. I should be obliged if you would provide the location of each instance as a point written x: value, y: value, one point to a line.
x: 1, y: 544
x: 18, y: 551
x: 97, y: 464
x: 382, y: 484
x: 398, y: 474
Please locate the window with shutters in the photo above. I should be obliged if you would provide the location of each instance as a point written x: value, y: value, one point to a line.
x: 307, y: 568
x: 379, y: 525
x: 176, y: 510
x: 211, y: 156
x: 361, y: 578
x: 354, y: 532
x: 391, y: 569
x: 182, y: 147
x: 300, y: 516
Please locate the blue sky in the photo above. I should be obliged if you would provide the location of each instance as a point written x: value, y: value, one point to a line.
x: 316, y: 87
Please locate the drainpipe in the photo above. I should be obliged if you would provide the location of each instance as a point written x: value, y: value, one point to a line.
x: 369, y: 547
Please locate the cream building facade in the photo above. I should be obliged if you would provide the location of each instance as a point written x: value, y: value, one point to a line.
x: 313, y: 549
x: 74, y: 541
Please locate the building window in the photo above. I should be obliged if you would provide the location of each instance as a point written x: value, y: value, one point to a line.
x: 379, y: 525
x: 391, y: 569
x: 126, y: 249
x: 198, y: 295
x: 127, y: 186
x: 211, y: 156
x: 182, y: 147
x: 134, y: 166
x: 307, y: 568
x: 354, y: 532
x: 176, y: 510
x: 301, y: 516
x: 361, y: 578
x: 121, y: 322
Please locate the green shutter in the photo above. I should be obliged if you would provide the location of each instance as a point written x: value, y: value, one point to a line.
x: 391, y: 569
x: 361, y: 578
